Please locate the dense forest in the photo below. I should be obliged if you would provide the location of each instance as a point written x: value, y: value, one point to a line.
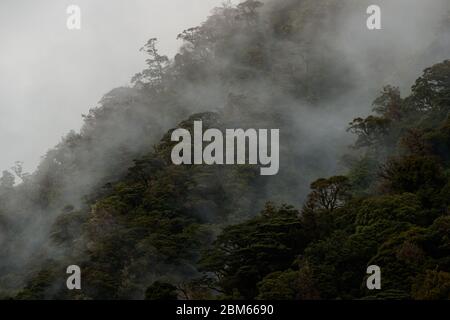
x: 360, y: 183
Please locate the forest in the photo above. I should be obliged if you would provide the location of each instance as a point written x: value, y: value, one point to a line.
x: 364, y: 170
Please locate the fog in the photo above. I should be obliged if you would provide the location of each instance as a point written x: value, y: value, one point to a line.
x: 327, y: 73
x: 50, y: 75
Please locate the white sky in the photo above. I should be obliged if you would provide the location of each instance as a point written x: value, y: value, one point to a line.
x: 49, y: 75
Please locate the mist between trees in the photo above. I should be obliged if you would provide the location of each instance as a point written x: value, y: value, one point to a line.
x: 109, y: 199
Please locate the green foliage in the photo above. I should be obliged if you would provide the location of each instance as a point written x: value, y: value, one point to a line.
x: 244, y: 254
x: 289, y: 285
x: 41, y: 287
x: 147, y: 228
x: 405, y: 207
x: 328, y: 194
x: 394, y: 216
x: 161, y: 291
x: 362, y: 175
x: 413, y: 174
x: 434, y: 285
x: 431, y: 92
x: 371, y: 131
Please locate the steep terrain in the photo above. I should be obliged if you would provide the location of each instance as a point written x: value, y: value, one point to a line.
x: 109, y: 199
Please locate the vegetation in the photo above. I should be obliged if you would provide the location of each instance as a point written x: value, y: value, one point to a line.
x: 110, y: 200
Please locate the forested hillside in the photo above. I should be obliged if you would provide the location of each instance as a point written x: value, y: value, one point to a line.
x: 348, y: 195
x: 390, y: 210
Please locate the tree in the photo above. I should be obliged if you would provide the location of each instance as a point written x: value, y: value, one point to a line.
x: 18, y: 170
x: 434, y: 285
x: 415, y: 143
x: 389, y: 103
x: 431, y: 92
x: 328, y: 194
x: 405, y: 207
x: 248, y: 10
x: 161, y: 291
x: 413, y: 173
x: 371, y: 131
x: 153, y: 76
x: 244, y: 254
x: 438, y: 140
x: 289, y: 285
x: 7, y: 180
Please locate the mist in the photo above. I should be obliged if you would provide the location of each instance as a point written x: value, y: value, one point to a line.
x: 50, y: 75
x: 340, y: 65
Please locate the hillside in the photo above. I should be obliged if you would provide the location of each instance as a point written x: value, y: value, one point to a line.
x: 109, y: 199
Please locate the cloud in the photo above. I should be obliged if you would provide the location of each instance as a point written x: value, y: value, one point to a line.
x: 49, y: 75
